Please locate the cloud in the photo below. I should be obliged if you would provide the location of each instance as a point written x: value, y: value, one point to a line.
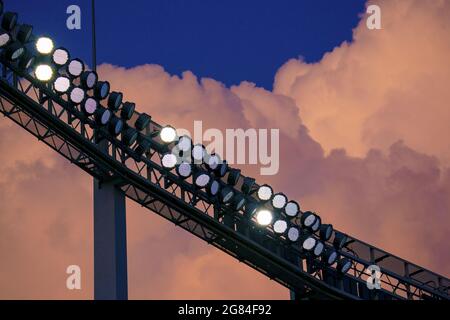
x: 381, y: 185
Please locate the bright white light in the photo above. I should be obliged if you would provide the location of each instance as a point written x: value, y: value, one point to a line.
x: 43, y: 72
x: 44, y: 45
x: 61, y: 84
x: 264, y: 217
x: 169, y: 161
x: 168, y: 134
x: 265, y: 193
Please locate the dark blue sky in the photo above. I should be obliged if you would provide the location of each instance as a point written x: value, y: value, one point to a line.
x: 228, y: 40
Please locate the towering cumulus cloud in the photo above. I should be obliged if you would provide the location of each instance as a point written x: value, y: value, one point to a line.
x: 363, y: 141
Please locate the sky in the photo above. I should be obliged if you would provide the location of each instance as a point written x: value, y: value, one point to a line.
x: 363, y: 118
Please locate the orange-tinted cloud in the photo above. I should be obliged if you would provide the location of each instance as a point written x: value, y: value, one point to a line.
x: 396, y: 198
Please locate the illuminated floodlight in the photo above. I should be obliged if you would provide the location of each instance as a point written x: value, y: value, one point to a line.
x: 14, y: 51
x: 184, y: 144
x: 89, y: 105
x: 24, y: 33
x: 61, y: 57
x: 213, y: 187
x: 76, y: 95
x: 292, y: 209
x: 239, y: 201
x: 265, y: 192
x: 198, y: 153
x: 44, y: 45
x: 169, y: 161
x: 326, y: 230
x: 213, y: 161
x: 127, y: 110
x: 307, y: 242
x: 115, y: 100
x: 329, y: 256
x: 279, y: 200
x: 143, y: 121
x: 293, y: 234
x: 318, y: 249
x: 5, y: 38
x: 102, y: 116
x: 9, y: 21
x: 184, y: 170
x: 75, y: 68
x: 344, y: 265
x: 88, y: 79
x: 43, y: 72
x: 115, y: 126
x: 129, y: 136
x: 308, y: 219
x: 226, y: 194
x: 339, y: 240
x: 168, y: 134
x: 61, y: 85
x: 201, y: 179
x: 280, y: 226
x: 101, y: 89
x: 233, y: 176
x: 264, y: 217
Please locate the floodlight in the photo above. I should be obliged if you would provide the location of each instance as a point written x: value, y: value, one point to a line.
x: 61, y: 57
x: 76, y: 95
x: 307, y: 242
x: 102, y: 115
x: 318, y: 249
x: 238, y: 201
x: 75, y: 68
x: 233, y: 176
x: 61, y: 85
x: 184, y: 170
x: 250, y: 209
x: 343, y: 265
x: 339, y: 240
x: 24, y: 33
x: 26, y: 61
x: 226, y: 194
x: 279, y: 200
x: 168, y: 134
x: 115, y: 100
x: 44, y: 45
x: 280, y: 226
x: 292, y: 209
x: 326, y: 230
x: 247, y: 185
x: 43, y: 72
x: 101, y: 89
x: 329, y: 256
x: 89, y: 105
x: 5, y: 38
x: 308, y: 219
x: 9, y: 21
x: 142, y: 122
x: 222, y: 169
x: 127, y: 110
x: 198, y: 153
x: 142, y: 147
x: 213, y: 161
x: 201, y: 179
x: 88, y: 80
x: 293, y: 234
x: 115, y: 126
x: 14, y: 51
x: 129, y: 136
x: 264, y: 217
x: 315, y: 227
x: 184, y: 144
x: 169, y: 160
x: 265, y: 192
x: 213, y: 187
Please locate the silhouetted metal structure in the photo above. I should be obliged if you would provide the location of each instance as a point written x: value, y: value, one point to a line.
x: 36, y: 108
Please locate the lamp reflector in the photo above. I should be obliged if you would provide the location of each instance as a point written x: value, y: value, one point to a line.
x: 226, y: 194
x: 101, y: 89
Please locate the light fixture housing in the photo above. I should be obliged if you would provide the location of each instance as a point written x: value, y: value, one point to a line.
x: 233, y: 176
x: 101, y: 89
x: 26, y: 61
x: 238, y: 201
x: 14, y: 50
x: 127, y: 110
x: 343, y: 265
x: 247, y: 185
x: 142, y: 147
x: 308, y: 219
x: 24, y: 33
x: 213, y: 188
x: 329, y: 256
x: 115, y: 100
x: 250, y: 209
x: 340, y: 239
x: 142, y: 121
x: 318, y: 249
x: 221, y: 169
x: 184, y: 144
x: 326, y: 231
x: 88, y: 79
x: 102, y: 116
x: 9, y: 21
x: 115, y: 126
x: 226, y: 194
x: 129, y: 136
